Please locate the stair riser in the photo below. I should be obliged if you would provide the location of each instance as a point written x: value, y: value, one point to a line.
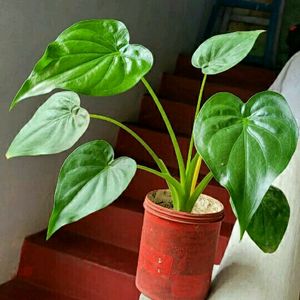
x: 142, y: 184
x: 114, y: 225
x: 236, y: 75
x: 181, y: 116
x: 159, y: 142
x: 19, y: 290
x: 73, y: 276
x: 221, y: 248
x: 186, y: 90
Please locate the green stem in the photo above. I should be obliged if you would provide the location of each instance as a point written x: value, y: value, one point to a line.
x: 166, y: 177
x: 155, y: 157
x: 170, y: 130
x: 174, y: 186
x: 198, y: 191
x: 191, y: 146
x: 196, y: 174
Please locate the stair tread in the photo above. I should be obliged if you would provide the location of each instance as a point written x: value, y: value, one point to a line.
x: 88, y: 249
x: 19, y: 290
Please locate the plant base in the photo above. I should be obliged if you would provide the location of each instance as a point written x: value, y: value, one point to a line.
x: 177, y: 252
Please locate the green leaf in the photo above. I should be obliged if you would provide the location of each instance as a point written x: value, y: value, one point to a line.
x: 90, y: 179
x: 91, y: 57
x: 246, y: 146
x: 222, y: 52
x: 56, y: 126
x: 270, y: 221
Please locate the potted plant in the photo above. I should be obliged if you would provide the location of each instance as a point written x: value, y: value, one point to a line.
x: 245, y: 145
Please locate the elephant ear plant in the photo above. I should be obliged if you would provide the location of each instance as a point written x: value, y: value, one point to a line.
x: 245, y: 145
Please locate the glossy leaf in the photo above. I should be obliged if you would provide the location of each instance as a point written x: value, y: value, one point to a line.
x: 222, y: 52
x: 246, y: 146
x: 270, y: 221
x: 90, y: 179
x: 91, y: 57
x: 56, y: 126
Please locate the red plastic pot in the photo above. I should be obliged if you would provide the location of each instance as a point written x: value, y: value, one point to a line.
x: 177, y: 253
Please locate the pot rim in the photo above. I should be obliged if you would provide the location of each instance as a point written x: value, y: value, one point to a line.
x: 179, y: 216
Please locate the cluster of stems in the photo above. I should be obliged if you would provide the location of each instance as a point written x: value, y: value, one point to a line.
x: 186, y: 189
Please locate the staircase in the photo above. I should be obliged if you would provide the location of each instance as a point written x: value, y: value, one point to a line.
x: 96, y: 258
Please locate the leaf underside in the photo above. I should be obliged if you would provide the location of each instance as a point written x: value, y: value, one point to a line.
x: 270, y: 221
x: 222, y: 52
x: 55, y: 127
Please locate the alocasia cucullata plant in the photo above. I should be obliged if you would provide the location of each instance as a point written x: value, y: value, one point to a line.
x: 245, y: 145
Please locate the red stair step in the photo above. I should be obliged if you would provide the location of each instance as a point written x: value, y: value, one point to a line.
x: 126, y: 232
x: 159, y: 142
x: 221, y: 248
x: 181, y: 115
x: 20, y: 290
x: 79, y: 267
x: 119, y: 224
x: 241, y: 75
x: 142, y: 184
x: 186, y: 90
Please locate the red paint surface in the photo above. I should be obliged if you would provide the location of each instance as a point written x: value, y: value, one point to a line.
x: 182, y: 122
x: 75, y: 266
x: 237, y: 76
x: 177, y: 253
x: 20, y: 290
x: 186, y: 90
x: 119, y: 224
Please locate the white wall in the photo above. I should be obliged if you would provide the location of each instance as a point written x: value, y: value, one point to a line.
x: 167, y: 27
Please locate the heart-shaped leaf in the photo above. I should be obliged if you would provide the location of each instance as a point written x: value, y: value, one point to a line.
x: 270, y: 221
x: 246, y: 146
x: 91, y: 57
x: 90, y: 179
x: 222, y: 52
x: 56, y: 126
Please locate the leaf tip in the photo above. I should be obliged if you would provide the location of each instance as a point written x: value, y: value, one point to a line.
x: 16, y: 99
x: 51, y: 230
x: 242, y: 232
x: 48, y: 236
x: 52, y: 227
x: 262, y: 30
x: 12, y: 105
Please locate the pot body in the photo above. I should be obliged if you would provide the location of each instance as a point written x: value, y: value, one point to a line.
x: 177, y: 253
